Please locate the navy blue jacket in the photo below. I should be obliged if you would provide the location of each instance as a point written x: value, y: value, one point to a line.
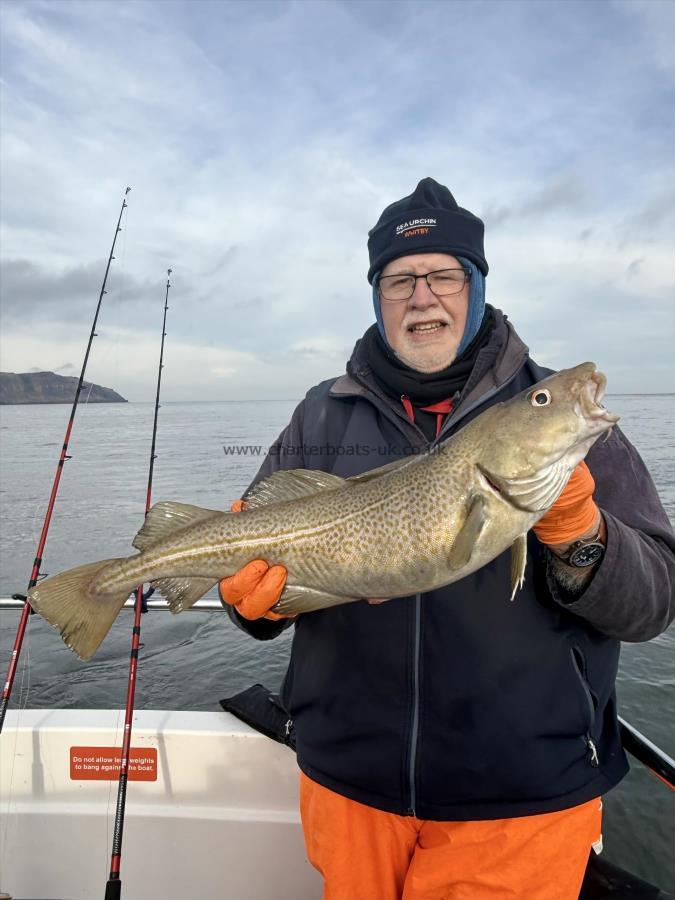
x: 459, y: 704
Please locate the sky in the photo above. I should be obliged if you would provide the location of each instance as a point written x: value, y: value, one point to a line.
x: 262, y: 140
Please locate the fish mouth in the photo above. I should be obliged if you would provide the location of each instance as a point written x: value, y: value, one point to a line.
x: 589, y: 403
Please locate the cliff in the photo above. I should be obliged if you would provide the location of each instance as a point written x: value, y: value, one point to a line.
x: 47, y: 387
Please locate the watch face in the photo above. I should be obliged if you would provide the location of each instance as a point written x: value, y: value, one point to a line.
x: 587, y: 555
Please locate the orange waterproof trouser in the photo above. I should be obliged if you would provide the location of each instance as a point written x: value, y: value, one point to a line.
x: 366, y: 854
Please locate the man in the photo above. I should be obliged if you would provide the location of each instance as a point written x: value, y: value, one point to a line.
x: 455, y: 744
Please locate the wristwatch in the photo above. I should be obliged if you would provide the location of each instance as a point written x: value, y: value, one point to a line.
x: 584, y: 553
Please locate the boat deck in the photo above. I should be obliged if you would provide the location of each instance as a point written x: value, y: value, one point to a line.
x: 219, y: 820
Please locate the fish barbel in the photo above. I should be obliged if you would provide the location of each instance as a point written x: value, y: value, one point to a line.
x: 408, y: 527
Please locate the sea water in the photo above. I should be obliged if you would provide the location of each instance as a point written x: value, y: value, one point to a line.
x: 192, y: 660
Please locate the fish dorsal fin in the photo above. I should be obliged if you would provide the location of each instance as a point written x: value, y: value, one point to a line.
x: 167, y: 517
x: 181, y: 593
x: 383, y: 470
x: 465, y: 542
x: 290, y: 484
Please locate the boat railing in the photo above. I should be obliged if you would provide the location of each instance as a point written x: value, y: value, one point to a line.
x: 154, y: 604
x: 634, y: 742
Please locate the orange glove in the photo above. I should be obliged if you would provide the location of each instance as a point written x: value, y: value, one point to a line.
x: 256, y: 587
x: 573, y: 513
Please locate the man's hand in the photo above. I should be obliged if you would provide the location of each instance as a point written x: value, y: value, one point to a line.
x: 256, y: 587
x: 574, y: 516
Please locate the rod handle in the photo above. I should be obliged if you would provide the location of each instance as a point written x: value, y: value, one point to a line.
x: 113, y: 889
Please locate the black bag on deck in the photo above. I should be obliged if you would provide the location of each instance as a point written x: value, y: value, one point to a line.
x: 263, y: 711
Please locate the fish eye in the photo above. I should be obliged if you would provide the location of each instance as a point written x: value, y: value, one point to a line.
x: 541, y: 397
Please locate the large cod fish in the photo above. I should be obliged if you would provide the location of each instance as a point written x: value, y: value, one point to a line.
x: 411, y: 526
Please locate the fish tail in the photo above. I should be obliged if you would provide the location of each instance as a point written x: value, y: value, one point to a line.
x: 82, y: 615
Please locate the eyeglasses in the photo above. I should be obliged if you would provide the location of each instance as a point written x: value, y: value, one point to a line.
x: 442, y: 283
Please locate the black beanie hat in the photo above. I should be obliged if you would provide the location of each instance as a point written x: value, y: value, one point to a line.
x: 427, y: 221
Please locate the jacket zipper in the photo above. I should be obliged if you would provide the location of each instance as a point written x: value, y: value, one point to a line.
x: 397, y: 418
x: 395, y: 415
x: 414, y: 730
x: 590, y: 743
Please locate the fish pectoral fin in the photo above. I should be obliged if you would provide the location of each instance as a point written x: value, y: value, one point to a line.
x: 182, y: 593
x: 296, y: 599
x: 290, y: 484
x: 464, y: 543
x: 166, y: 518
x: 518, y: 563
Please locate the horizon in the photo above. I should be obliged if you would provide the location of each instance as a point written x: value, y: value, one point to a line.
x: 151, y: 401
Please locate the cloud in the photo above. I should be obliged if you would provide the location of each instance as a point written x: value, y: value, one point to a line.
x: 29, y: 289
x: 656, y: 26
x: 258, y: 160
x: 634, y: 266
x: 560, y: 194
x: 654, y: 220
x: 127, y: 360
x: 319, y: 348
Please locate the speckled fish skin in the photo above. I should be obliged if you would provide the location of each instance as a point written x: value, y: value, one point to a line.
x: 407, y: 528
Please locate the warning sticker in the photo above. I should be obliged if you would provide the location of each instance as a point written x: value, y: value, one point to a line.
x: 103, y: 764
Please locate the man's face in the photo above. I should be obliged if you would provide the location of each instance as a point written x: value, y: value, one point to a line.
x: 425, y: 349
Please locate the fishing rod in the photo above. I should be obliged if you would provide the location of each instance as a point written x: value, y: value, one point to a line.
x: 113, y: 888
x: 35, y: 573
